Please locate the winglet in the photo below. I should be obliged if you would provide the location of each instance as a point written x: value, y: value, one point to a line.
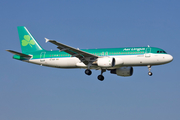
x: 47, y: 40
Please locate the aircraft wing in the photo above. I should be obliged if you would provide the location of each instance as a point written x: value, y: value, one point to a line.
x: 82, y: 55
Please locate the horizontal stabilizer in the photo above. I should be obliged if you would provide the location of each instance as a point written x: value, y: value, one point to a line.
x: 20, y: 54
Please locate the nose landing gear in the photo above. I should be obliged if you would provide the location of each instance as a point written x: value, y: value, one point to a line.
x: 150, y: 73
x: 149, y: 68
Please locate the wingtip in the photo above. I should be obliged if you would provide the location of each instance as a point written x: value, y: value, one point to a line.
x: 47, y: 40
x: 8, y: 50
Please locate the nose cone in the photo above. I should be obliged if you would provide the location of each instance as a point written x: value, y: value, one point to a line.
x: 169, y: 58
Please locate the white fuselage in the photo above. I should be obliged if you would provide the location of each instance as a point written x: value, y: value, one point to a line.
x: 128, y: 60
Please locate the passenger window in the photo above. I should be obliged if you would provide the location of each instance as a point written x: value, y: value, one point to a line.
x: 157, y: 51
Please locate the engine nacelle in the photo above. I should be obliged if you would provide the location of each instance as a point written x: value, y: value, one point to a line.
x: 118, y: 61
x: 106, y: 62
x: 123, y: 71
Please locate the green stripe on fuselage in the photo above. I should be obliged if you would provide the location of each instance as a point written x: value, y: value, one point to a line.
x: 99, y: 52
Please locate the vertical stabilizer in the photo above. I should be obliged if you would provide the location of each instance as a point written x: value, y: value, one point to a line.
x: 27, y: 41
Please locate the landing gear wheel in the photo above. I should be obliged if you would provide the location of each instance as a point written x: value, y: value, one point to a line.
x: 149, y: 68
x: 88, y: 72
x: 100, y: 77
x: 150, y: 73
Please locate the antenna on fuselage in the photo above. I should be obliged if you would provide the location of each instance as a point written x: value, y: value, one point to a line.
x: 148, y: 46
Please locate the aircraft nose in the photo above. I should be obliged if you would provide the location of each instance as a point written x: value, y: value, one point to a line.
x: 169, y: 58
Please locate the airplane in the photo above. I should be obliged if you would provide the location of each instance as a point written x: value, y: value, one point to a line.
x: 119, y: 61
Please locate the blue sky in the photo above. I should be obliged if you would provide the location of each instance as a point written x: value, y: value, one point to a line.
x: 34, y: 92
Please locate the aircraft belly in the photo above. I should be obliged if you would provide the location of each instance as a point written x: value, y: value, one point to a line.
x: 128, y: 60
x: 67, y: 62
x: 131, y: 60
x: 57, y: 62
x: 137, y: 60
x: 142, y: 60
x: 64, y: 62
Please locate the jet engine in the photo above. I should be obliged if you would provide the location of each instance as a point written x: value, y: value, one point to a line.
x: 123, y: 71
x: 106, y: 62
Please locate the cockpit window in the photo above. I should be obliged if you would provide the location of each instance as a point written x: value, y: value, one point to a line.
x: 164, y: 52
x: 161, y: 52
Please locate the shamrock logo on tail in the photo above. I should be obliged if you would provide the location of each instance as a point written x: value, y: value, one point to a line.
x: 27, y: 40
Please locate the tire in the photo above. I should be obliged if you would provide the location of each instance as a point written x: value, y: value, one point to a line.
x: 88, y: 72
x: 150, y: 73
x: 101, y: 77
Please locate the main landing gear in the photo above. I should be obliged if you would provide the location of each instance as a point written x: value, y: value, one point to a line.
x: 88, y: 72
x: 149, y: 68
x: 100, y: 77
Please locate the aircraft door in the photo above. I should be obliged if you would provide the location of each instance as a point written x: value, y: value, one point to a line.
x: 42, y: 57
x: 148, y: 51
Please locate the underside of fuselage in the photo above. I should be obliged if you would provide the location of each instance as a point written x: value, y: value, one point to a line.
x: 128, y: 60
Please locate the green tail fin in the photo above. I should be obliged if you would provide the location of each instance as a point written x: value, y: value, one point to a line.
x: 27, y: 41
